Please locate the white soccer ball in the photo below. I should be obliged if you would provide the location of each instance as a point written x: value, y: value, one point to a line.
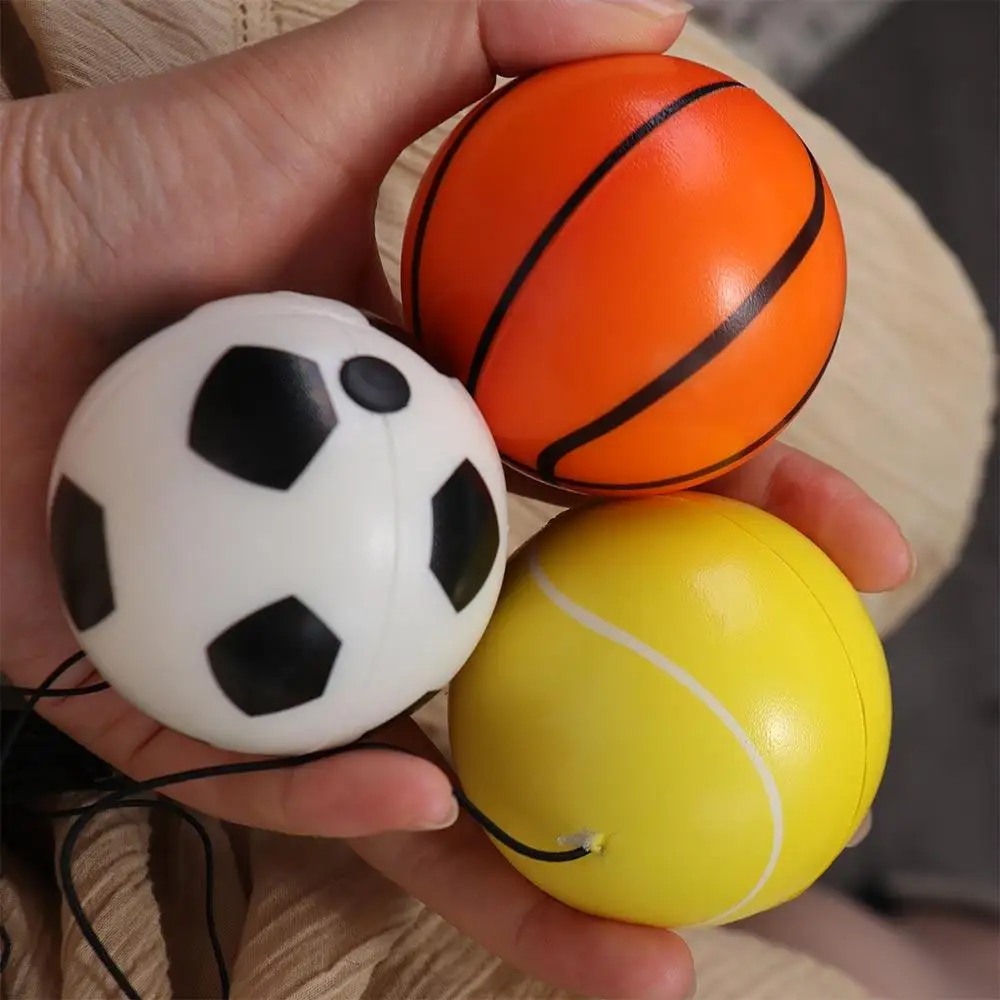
x: 275, y: 527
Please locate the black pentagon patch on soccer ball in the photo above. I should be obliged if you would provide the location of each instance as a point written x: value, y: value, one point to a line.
x: 277, y: 658
x: 375, y: 384
x: 80, y: 551
x: 466, y: 535
x: 262, y: 415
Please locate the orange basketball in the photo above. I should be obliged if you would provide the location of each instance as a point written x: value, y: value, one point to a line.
x: 635, y: 266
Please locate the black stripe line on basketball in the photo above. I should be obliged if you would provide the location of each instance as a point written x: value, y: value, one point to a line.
x: 708, y: 470
x: 420, y: 234
x: 706, y: 350
x: 571, y: 204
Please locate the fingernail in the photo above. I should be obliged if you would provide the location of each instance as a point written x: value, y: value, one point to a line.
x: 443, y: 818
x: 658, y: 9
x: 913, y: 562
x: 693, y: 992
x: 862, y: 831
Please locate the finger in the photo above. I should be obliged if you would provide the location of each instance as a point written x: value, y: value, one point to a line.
x: 232, y: 168
x: 459, y: 874
x: 414, y: 63
x: 862, y: 831
x: 519, y: 39
x: 827, y: 507
x: 354, y: 794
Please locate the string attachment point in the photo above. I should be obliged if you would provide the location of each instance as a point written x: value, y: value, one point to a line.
x: 587, y: 840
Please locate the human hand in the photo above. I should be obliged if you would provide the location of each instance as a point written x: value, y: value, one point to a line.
x: 126, y: 208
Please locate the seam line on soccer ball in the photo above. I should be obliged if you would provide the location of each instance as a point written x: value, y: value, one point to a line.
x: 620, y: 637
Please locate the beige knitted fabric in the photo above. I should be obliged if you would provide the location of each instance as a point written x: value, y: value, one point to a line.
x: 904, y: 409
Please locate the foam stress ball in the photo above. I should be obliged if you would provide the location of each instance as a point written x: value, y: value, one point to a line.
x: 636, y: 267
x: 275, y: 527
x: 689, y: 687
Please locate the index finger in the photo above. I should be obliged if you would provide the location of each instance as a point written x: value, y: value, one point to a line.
x: 348, y: 795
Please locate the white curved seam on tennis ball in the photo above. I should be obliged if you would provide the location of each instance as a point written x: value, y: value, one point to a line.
x: 622, y: 638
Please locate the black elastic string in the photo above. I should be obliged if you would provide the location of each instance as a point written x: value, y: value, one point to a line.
x: 57, y: 693
x: 552, y: 857
x: 85, y: 815
x: 33, y: 699
x: 120, y: 793
x: 282, y: 763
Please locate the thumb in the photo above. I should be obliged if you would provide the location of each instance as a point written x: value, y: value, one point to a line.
x: 414, y: 63
x: 140, y: 201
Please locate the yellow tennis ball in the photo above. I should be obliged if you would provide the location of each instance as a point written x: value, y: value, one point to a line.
x: 693, y: 685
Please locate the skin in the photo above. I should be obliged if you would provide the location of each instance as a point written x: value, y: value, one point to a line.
x: 125, y: 208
